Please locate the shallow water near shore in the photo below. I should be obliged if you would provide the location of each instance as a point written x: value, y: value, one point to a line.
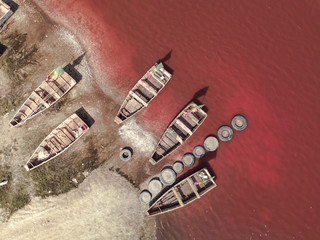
x: 255, y: 59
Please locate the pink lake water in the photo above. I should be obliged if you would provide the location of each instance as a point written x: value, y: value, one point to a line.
x: 255, y: 58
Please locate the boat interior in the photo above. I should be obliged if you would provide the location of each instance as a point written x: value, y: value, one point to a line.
x: 43, y: 97
x: 183, y: 193
x: 178, y: 132
x: 4, y: 9
x: 58, y: 140
x: 142, y: 93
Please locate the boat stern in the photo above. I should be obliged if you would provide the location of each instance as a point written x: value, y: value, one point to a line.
x: 27, y: 168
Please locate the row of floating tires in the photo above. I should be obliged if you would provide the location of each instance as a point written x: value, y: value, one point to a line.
x: 168, y: 174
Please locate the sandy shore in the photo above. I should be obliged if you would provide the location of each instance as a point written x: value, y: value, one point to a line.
x: 105, y: 205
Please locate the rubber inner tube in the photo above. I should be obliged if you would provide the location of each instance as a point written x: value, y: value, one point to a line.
x: 225, y: 133
x: 239, y: 122
x: 198, y: 151
x: 125, y: 154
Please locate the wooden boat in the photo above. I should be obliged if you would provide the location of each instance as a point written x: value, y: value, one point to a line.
x: 145, y: 90
x: 57, y: 84
x: 179, y: 130
x: 59, y: 140
x: 186, y: 191
x: 5, y: 12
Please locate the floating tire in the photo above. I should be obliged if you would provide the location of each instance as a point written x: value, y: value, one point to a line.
x: 225, y: 133
x: 188, y: 159
x: 199, y: 151
x: 155, y: 186
x: 178, y: 167
x: 125, y: 154
x: 211, y: 143
x: 145, y: 197
x: 239, y: 123
x: 168, y: 176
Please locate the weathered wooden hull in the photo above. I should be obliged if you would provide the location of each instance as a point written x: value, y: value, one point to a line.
x: 179, y: 130
x: 143, y: 92
x: 59, y: 140
x: 183, y: 193
x: 43, y: 97
x: 5, y: 12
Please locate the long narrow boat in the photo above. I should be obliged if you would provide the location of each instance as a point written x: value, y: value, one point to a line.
x: 179, y: 130
x: 145, y: 90
x: 57, y: 84
x: 5, y: 12
x: 59, y: 140
x: 186, y: 191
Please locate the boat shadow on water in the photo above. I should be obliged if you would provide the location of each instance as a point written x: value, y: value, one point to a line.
x: 164, y: 60
x: 72, y: 71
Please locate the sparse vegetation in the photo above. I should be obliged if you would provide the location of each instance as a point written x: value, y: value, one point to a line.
x: 15, y: 59
x: 8, y: 102
x: 126, y: 176
x: 49, y: 181
x: 55, y: 177
x: 18, y: 56
x: 11, y: 199
x: 61, y: 103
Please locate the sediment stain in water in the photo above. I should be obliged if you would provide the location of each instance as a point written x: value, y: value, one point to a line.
x: 258, y: 59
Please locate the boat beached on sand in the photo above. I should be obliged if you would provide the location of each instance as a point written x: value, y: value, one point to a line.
x: 186, y: 191
x: 143, y: 92
x: 179, y: 130
x: 57, y: 84
x: 59, y: 140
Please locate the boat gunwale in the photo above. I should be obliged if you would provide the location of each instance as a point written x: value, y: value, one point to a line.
x: 41, y: 110
x: 152, y: 160
x: 188, y: 201
x: 117, y: 119
x: 51, y: 134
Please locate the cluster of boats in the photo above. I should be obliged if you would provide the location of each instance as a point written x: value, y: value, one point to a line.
x: 59, y: 82
x: 179, y: 130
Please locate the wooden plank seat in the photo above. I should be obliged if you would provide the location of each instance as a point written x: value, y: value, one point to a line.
x: 148, y: 87
x: 158, y: 79
x: 39, y: 100
x: 194, y: 189
x: 52, y: 146
x: 133, y: 105
x: 62, y: 84
x: 178, y: 137
x: 57, y: 87
x: 173, y: 136
x: 57, y: 144
x: 78, y: 122
x: 46, y: 87
x: 68, y: 133
x: 125, y: 112
x: 54, y: 88
x: 68, y: 79
x: 177, y: 196
x: 62, y: 137
x: 138, y: 98
x: 184, y: 127
x: 28, y: 111
x: 192, y: 117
